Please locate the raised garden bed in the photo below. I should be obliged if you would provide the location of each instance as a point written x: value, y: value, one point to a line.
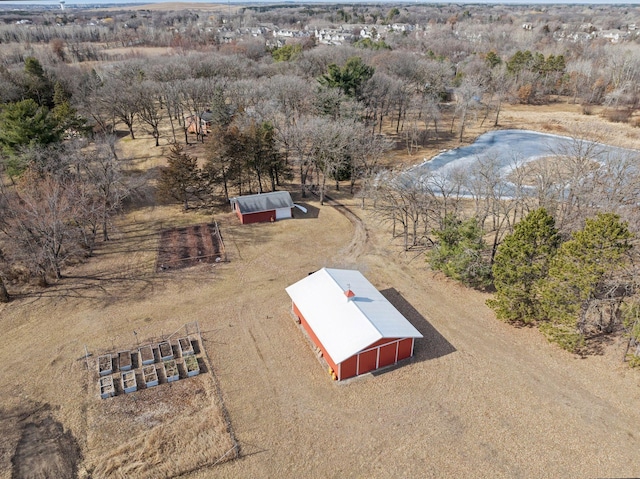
x: 171, y: 370
x: 105, y: 365
x: 165, y: 350
x: 146, y: 355
x: 191, y: 365
x: 185, y: 346
x: 150, y: 375
x: 106, y: 387
x: 129, y: 383
x: 124, y: 360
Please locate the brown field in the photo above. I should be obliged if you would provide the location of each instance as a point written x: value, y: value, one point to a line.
x: 479, y: 399
x: 170, y: 429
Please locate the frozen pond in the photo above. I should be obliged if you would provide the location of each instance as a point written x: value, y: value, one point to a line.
x: 508, y: 147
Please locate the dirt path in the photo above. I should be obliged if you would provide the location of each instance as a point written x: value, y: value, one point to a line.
x: 358, y: 244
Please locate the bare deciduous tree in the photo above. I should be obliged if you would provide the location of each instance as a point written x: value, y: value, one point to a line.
x: 329, y: 149
x: 405, y: 199
x: 42, y: 226
x: 196, y: 94
x: 496, y: 197
x: 575, y: 162
x: 150, y: 108
x: 104, y: 173
x: 118, y: 97
x: 377, y: 97
x: 298, y: 138
x: 366, y: 152
x: 468, y: 97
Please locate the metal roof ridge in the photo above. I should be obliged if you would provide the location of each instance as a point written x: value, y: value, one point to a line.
x: 365, y: 315
x: 354, y: 302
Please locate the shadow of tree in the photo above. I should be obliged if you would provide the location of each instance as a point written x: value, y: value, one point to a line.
x: 104, y: 289
x: 598, y: 343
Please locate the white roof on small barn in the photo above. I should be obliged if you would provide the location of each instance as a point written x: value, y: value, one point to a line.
x: 347, y: 326
x: 263, y: 202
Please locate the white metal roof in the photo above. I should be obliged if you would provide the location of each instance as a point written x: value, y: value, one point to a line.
x: 347, y: 326
x: 263, y: 202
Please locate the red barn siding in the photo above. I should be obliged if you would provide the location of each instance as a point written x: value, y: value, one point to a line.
x: 405, y: 349
x: 348, y: 368
x: 367, y: 361
x: 260, y: 217
x: 387, y: 355
x: 384, y: 352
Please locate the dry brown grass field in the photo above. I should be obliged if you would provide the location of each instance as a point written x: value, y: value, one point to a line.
x: 479, y: 399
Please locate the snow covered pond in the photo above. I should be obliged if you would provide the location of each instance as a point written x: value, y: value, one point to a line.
x: 506, y: 148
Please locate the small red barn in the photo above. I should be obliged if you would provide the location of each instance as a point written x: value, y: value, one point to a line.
x: 262, y: 207
x: 199, y: 123
x: 357, y: 329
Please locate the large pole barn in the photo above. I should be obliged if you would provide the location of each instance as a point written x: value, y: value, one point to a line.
x: 263, y: 207
x: 357, y: 329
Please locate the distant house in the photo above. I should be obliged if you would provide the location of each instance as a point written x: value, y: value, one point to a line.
x: 199, y: 123
x: 400, y: 27
x: 284, y: 33
x: 263, y: 207
x: 354, y: 326
x: 332, y: 36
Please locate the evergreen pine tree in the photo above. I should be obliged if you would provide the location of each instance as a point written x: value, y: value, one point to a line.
x: 350, y: 78
x: 181, y: 178
x: 521, y: 261
x: 581, y: 274
x: 66, y: 115
x: 25, y: 124
x: 459, y: 252
x: 37, y: 84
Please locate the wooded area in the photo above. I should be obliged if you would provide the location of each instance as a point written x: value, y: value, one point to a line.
x: 317, y: 96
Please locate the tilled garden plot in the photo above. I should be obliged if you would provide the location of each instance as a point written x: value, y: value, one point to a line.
x: 189, y: 246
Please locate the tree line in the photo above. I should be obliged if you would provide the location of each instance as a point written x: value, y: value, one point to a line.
x: 481, y: 52
x: 408, y: 89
